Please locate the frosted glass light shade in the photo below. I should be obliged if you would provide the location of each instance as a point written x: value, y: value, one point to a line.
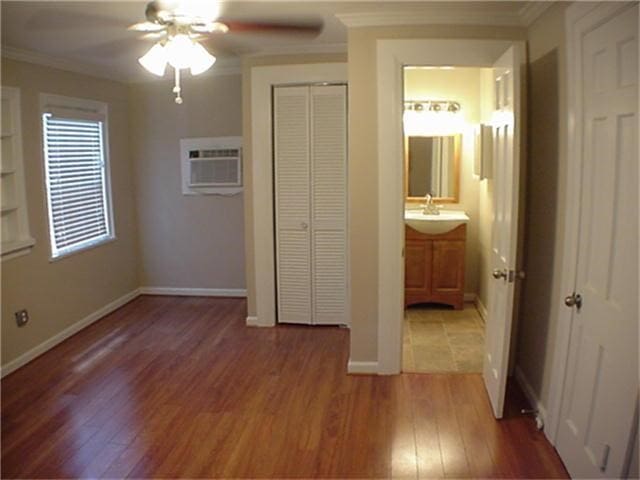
x: 180, y: 51
x: 201, y: 60
x: 155, y: 60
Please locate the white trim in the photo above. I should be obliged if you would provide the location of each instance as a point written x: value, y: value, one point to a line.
x: 531, y: 11
x: 52, y: 61
x: 391, y: 55
x: 529, y: 392
x: 433, y: 15
x: 26, y: 357
x: 194, y: 292
x: 576, y: 25
x: 362, y: 368
x: 262, y: 80
x: 482, y: 309
x: 255, y: 322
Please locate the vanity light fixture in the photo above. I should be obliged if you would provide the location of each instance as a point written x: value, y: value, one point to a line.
x: 432, y: 106
x: 181, y: 52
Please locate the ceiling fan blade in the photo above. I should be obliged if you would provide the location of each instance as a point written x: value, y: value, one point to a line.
x: 209, y: 27
x: 146, y: 27
x: 311, y: 28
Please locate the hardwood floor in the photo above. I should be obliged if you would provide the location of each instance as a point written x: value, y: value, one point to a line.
x: 180, y: 387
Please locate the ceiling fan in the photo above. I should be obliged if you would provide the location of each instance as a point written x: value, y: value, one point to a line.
x: 180, y: 29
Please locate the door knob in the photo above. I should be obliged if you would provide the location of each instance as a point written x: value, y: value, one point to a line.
x: 498, y: 274
x: 304, y: 225
x: 573, y: 300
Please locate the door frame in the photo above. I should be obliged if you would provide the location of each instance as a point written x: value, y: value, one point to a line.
x: 263, y: 78
x: 580, y: 18
x: 391, y: 56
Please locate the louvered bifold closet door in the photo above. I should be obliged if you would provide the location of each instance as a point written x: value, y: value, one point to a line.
x: 329, y: 204
x: 292, y: 197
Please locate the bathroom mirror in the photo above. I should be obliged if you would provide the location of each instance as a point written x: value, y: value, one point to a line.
x: 432, y: 165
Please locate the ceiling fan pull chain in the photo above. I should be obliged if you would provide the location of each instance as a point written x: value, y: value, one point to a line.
x: 177, y: 88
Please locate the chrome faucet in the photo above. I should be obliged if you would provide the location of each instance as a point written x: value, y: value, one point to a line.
x: 430, y: 208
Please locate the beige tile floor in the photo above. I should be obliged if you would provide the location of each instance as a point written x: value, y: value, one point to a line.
x: 442, y: 340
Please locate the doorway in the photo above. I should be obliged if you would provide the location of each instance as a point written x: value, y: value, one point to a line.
x: 444, y: 107
x: 391, y: 56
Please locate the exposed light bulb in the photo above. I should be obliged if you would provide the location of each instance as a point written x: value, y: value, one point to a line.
x: 155, y: 60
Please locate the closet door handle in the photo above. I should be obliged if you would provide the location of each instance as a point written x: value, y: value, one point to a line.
x: 304, y: 225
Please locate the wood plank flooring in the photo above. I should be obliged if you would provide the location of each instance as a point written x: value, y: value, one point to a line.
x: 169, y: 387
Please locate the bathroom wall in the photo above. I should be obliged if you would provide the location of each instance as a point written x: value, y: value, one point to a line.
x: 186, y: 241
x: 463, y: 86
x: 485, y: 200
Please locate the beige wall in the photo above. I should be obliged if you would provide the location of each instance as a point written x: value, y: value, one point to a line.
x: 462, y: 85
x: 545, y: 202
x: 248, y: 63
x: 58, y: 294
x: 363, y: 172
x: 186, y: 241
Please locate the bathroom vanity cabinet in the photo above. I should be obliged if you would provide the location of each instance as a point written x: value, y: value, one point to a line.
x: 434, y: 267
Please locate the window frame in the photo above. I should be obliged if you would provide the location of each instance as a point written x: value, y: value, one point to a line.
x: 83, y: 109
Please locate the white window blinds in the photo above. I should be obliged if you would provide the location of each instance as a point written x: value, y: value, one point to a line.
x: 76, y: 178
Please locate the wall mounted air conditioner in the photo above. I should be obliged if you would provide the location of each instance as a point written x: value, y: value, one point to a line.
x: 211, y: 165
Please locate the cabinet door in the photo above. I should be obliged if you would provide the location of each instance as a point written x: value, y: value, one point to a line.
x: 292, y: 172
x: 448, y: 267
x: 417, y: 278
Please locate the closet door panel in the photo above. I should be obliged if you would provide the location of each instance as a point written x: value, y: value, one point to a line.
x: 292, y: 204
x: 329, y: 203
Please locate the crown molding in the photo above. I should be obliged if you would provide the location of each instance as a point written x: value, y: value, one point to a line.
x: 309, y: 48
x: 47, y: 60
x: 431, y: 15
x: 531, y: 11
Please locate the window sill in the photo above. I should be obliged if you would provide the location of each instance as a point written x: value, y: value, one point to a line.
x: 82, y: 249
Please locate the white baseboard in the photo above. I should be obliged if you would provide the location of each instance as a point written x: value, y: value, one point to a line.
x: 535, y: 402
x: 67, y: 332
x: 370, y: 368
x: 195, y: 292
x: 254, y: 322
x: 482, y: 310
x: 470, y: 297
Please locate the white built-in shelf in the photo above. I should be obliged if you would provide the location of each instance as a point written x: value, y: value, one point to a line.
x: 16, y: 239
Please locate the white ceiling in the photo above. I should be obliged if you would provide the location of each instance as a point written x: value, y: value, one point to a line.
x: 92, y: 35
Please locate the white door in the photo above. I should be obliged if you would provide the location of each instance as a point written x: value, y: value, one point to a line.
x: 601, y: 380
x: 504, y: 237
x: 310, y: 152
x: 292, y: 203
x: 329, y: 203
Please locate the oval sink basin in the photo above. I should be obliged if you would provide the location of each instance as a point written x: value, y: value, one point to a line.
x: 446, y: 221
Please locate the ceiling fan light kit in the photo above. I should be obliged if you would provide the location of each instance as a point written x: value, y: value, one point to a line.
x: 180, y: 31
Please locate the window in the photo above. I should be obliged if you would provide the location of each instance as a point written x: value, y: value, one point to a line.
x: 77, y: 174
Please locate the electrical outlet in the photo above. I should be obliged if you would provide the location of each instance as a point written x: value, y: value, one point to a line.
x: 22, y: 317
